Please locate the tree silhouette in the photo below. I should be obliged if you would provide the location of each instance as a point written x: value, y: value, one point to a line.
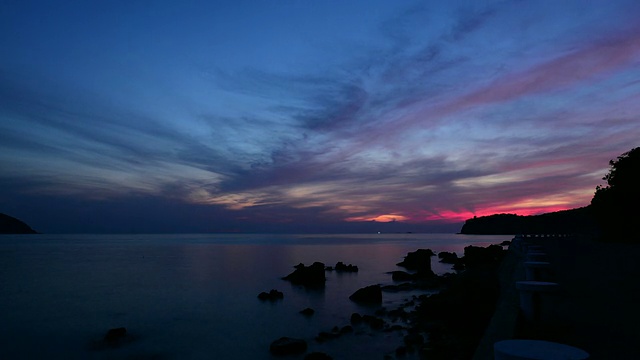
x: 617, y: 205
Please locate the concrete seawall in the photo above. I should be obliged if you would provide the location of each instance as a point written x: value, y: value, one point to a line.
x: 597, y: 305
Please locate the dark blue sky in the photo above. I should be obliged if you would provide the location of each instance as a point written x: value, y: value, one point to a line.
x: 309, y: 115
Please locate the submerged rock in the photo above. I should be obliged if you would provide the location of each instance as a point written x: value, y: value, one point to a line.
x: 340, y: 266
x: 312, y: 275
x: 115, y: 336
x: 356, y: 318
x: 272, y: 295
x: 370, y: 294
x: 307, y: 312
x: 288, y: 346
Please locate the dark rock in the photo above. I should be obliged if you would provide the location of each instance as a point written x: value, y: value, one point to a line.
x: 377, y: 324
x: 413, y: 339
x: 115, y: 336
x: 370, y: 294
x: 505, y: 243
x: 483, y: 256
x: 326, y: 336
x: 346, y: 329
x: 448, y: 257
x: 398, y: 313
x: 317, y: 356
x: 312, y: 275
x: 356, y: 318
x: 419, y: 260
x: 340, y: 266
x: 272, y: 295
x: 401, y: 351
x: 307, y: 312
x: 374, y: 322
x: 288, y: 346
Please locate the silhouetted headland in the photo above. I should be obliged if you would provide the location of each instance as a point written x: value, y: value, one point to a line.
x: 11, y: 225
x: 574, y: 221
x: 612, y: 215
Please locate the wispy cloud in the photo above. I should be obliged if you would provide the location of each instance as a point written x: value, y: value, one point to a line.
x: 431, y: 112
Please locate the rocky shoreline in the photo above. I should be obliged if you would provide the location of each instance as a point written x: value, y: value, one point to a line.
x: 445, y: 325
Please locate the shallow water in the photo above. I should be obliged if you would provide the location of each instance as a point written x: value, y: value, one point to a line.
x: 194, y: 296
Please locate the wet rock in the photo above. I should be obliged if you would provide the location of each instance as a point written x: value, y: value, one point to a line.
x: 312, y: 275
x: 288, y: 346
x: 346, y: 329
x: 307, y: 312
x: 413, y: 339
x: 374, y: 322
x: 401, y: 351
x: 115, y: 336
x: 476, y: 256
x: 448, y: 257
x: 419, y: 260
x: 377, y: 324
x: 272, y: 295
x: 356, y: 318
x: 368, y: 295
x: 340, y: 266
x: 317, y: 356
x: 326, y: 336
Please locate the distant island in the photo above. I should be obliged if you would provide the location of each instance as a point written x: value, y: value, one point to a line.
x: 574, y: 221
x: 11, y: 225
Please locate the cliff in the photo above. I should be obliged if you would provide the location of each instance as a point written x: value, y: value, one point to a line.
x: 11, y: 225
x: 574, y: 221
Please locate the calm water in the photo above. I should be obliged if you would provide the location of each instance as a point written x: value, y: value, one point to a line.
x: 193, y: 296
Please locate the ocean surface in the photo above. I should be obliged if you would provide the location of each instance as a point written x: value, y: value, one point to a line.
x: 195, y: 296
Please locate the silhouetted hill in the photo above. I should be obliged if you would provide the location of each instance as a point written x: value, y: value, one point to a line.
x: 11, y: 225
x: 574, y: 221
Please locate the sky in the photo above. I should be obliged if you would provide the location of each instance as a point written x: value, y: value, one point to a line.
x: 310, y: 116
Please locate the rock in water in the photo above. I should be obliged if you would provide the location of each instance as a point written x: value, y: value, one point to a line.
x: 340, y: 266
x: 272, y: 295
x: 312, y: 275
x: 419, y: 260
x: 370, y: 294
x: 307, y: 312
x: 113, y: 337
x: 288, y: 346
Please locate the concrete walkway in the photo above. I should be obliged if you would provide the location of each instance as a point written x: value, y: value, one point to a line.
x: 598, y: 307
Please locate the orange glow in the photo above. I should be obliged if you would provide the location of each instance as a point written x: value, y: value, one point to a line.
x: 379, y: 218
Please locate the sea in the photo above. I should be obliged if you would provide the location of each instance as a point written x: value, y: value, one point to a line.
x: 194, y: 296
